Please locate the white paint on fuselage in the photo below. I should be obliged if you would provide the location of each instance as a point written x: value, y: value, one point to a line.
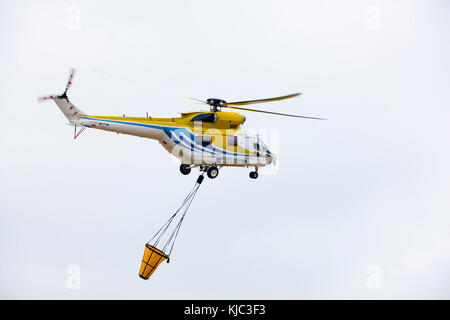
x: 180, y: 145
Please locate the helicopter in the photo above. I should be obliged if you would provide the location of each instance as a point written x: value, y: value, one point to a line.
x: 208, y: 140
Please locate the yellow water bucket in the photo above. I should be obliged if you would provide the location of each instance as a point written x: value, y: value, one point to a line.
x: 151, y: 260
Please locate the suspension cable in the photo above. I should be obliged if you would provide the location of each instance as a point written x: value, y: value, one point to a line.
x: 170, y: 242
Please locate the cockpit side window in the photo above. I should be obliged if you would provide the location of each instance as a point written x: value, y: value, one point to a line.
x: 205, y: 117
x: 260, y: 148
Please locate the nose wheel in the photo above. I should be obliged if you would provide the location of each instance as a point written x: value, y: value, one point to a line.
x: 253, y: 175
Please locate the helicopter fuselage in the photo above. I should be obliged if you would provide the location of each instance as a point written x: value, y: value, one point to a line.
x: 205, y: 139
x: 196, y: 138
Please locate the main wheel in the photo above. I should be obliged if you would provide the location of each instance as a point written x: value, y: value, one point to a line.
x: 212, y: 172
x: 184, y: 169
x: 253, y: 175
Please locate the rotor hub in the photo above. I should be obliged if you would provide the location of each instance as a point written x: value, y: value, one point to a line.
x: 215, y: 103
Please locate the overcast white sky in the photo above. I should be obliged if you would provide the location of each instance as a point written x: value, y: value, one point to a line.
x: 359, y: 207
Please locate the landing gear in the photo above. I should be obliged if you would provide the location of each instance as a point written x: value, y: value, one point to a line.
x: 212, y: 172
x: 185, y: 169
x: 253, y: 175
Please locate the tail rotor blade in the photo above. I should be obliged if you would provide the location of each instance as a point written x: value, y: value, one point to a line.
x: 45, y: 98
x: 70, y: 80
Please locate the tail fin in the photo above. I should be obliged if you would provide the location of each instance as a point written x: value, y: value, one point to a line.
x: 71, y: 112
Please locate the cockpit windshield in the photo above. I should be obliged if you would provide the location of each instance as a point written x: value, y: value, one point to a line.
x: 254, y: 143
x: 260, y: 145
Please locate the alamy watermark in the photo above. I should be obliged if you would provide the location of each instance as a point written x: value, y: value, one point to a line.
x: 373, y: 19
x: 73, y: 20
x: 211, y: 146
x: 374, y: 277
x: 73, y: 281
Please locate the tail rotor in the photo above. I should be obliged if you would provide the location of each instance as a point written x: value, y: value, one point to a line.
x: 68, y: 108
x: 64, y: 95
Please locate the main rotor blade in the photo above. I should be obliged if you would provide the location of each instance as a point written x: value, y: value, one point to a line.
x: 135, y: 81
x: 276, y: 113
x: 242, y: 103
x: 198, y: 100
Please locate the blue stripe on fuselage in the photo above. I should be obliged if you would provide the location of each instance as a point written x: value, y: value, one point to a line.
x: 167, y: 129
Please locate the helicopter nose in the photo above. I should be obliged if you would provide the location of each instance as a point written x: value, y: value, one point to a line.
x: 271, y: 158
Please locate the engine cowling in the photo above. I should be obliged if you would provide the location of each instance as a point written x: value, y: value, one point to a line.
x: 229, y: 120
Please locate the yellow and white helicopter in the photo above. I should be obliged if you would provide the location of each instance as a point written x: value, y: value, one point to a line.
x: 208, y: 140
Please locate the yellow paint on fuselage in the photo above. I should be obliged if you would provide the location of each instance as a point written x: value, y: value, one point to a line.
x: 226, y: 125
x: 225, y: 121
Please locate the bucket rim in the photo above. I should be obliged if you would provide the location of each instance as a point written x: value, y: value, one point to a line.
x: 154, y: 249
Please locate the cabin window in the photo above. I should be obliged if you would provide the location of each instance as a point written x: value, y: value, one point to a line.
x: 203, y: 140
x: 232, y: 141
x: 205, y: 117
